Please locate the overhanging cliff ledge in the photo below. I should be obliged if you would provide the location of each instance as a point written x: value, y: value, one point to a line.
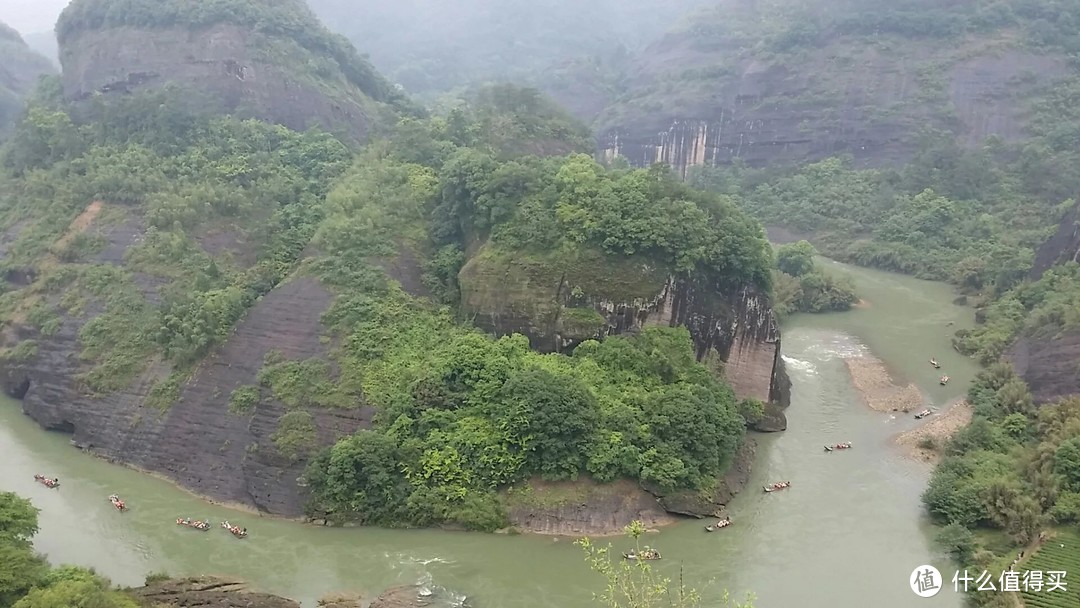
x: 559, y: 304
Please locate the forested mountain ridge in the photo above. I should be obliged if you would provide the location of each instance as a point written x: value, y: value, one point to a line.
x: 216, y: 298
x: 784, y: 82
x: 19, y: 73
x: 255, y: 58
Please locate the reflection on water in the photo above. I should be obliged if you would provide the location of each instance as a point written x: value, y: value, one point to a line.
x: 850, y: 528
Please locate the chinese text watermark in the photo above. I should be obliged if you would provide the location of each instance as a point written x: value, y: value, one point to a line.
x: 926, y: 581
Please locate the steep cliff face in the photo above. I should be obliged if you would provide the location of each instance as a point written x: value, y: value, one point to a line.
x: 1063, y: 246
x: 197, y: 442
x: 869, y: 102
x: 789, y: 82
x: 245, y: 60
x: 1048, y: 361
x: 217, y: 61
x: 560, y: 304
x: 19, y: 72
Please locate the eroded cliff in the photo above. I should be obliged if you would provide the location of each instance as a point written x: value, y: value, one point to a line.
x: 560, y: 301
x: 870, y: 105
x: 1047, y: 360
x: 195, y: 441
x: 804, y: 81
x: 243, y: 58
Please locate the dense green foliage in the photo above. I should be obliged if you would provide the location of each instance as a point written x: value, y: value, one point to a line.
x: 921, y: 220
x: 800, y: 286
x: 810, y: 24
x: 1039, y: 309
x: 1015, y: 468
x: 234, y: 208
x: 195, y: 178
x: 284, y: 19
x: 461, y: 415
x: 27, y: 581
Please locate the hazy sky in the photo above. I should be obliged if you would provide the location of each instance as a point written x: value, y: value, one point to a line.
x: 30, y: 16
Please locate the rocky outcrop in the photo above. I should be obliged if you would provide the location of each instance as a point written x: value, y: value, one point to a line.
x: 1048, y: 361
x: 712, y: 502
x: 218, y: 592
x: 222, y: 63
x: 1063, y: 246
x: 559, y: 305
x: 846, y: 97
x: 206, y: 592
x: 196, y: 442
x: 585, y: 508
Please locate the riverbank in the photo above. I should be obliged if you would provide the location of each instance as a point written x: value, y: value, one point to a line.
x: 877, y: 388
x: 586, y: 508
x: 217, y: 592
x: 926, y: 442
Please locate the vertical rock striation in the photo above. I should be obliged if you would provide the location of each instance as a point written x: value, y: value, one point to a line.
x: 1048, y: 361
x: 558, y: 306
x: 196, y: 442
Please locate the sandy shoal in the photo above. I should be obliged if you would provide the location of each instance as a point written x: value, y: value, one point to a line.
x: 939, y: 427
x: 877, y: 387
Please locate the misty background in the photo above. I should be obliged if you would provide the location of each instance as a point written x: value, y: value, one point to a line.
x: 432, y: 47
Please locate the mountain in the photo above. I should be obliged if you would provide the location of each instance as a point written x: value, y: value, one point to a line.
x: 271, y: 60
x: 285, y: 319
x: 19, y: 74
x: 781, y: 83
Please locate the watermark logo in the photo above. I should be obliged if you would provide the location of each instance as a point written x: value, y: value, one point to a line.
x: 925, y: 581
x: 1031, y: 581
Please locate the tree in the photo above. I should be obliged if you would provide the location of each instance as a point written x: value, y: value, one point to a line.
x: 559, y: 415
x: 20, y: 568
x: 1067, y: 462
x: 959, y: 541
x: 76, y: 594
x: 18, y: 520
x: 796, y: 259
x: 634, y: 584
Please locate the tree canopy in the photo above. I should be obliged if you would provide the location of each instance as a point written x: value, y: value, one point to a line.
x: 27, y: 581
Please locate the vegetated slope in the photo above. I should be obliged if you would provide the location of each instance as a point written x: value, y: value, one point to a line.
x: 954, y: 208
x: 785, y: 82
x: 142, y: 229
x: 548, y: 252
x: 431, y: 47
x: 19, y: 72
x: 1016, y: 469
x: 185, y: 296
x: 271, y: 60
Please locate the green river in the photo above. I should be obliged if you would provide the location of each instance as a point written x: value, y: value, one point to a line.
x: 847, y: 534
